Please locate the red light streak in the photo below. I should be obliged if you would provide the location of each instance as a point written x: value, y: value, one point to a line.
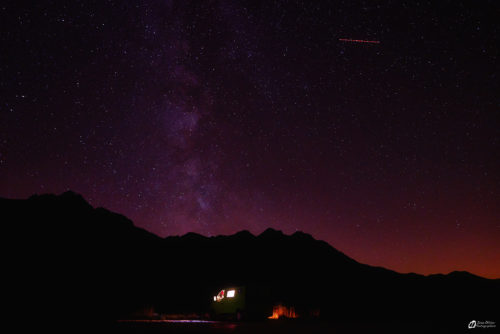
x: 358, y: 41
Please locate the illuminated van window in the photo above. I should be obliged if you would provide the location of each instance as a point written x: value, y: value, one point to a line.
x: 230, y: 293
x: 220, y: 296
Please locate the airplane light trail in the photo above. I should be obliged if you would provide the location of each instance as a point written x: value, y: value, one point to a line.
x: 358, y: 41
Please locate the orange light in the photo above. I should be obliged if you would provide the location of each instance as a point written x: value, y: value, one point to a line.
x: 280, y: 311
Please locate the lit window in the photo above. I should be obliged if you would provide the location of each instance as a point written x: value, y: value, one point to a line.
x: 230, y: 293
x: 215, y: 298
x: 220, y: 296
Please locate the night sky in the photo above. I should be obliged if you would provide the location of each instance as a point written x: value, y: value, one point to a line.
x: 219, y: 116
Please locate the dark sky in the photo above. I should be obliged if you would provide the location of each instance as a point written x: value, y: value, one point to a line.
x: 218, y: 116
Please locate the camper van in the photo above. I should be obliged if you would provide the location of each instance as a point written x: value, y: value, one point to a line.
x: 241, y: 303
x: 229, y: 303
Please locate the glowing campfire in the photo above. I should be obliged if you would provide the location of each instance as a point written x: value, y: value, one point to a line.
x: 280, y: 311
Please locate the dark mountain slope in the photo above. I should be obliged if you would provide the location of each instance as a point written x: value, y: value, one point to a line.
x: 65, y: 258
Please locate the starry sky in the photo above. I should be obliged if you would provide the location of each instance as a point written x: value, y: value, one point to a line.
x: 219, y: 116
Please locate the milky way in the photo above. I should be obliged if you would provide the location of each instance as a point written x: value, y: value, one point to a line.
x: 218, y: 116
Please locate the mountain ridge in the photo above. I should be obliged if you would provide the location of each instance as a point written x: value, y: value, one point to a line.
x: 110, y: 268
x: 75, y: 197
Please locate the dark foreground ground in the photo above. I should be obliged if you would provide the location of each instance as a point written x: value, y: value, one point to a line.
x: 291, y: 326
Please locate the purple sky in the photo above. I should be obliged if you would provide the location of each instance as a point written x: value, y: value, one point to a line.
x: 218, y: 116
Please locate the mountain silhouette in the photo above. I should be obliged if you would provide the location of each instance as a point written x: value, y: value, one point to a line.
x: 65, y: 258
